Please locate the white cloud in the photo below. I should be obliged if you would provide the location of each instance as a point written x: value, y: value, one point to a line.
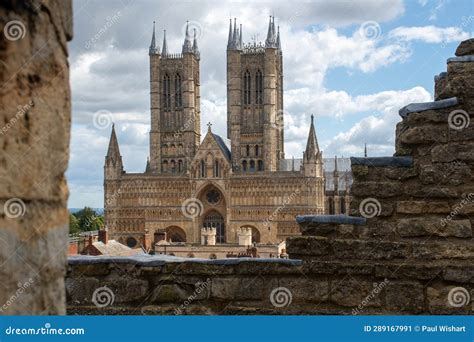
x: 429, y: 34
x: 378, y: 131
x: 317, y: 37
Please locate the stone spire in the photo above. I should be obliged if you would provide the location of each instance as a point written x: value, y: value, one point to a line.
x: 231, y: 36
x: 113, y: 160
x: 153, y: 49
x: 113, y: 150
x: 365, y: 150
x: 235, y: 35
x: 270, y: 41
x: 312, y: 148
x: 187, y: 45
x: 147, y: 169
x: 241, y: 45
x: 195, y: 45
x: 164, y: 52
x: 278, y: 43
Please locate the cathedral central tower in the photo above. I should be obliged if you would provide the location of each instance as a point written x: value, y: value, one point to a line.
x: 255, y: 101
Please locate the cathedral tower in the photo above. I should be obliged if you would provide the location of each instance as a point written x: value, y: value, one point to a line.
x: 175, y: 105
x: 255, y: 101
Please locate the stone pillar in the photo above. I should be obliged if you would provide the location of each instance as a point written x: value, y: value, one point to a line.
x: 35, y: 121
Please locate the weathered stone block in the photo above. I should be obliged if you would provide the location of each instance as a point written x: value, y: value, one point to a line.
x: 460, y: 274
x: 245, y: 288
x: 376, y: 189
x: 407, y: 271
x: 434, y: 226
x: 355, y: 292
x: 423, y: 207
x: 424, y: 134
x: 404, y: 295
x: 304, y: 289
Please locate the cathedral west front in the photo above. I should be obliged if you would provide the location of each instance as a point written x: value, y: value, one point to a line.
x: 200, y: 194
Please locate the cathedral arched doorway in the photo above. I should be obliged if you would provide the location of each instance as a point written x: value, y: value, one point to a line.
x: 175, y: 234
x: 214, y: 219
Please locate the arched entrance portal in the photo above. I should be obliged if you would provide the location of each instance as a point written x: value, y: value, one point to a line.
x: 175, y: 234
x: 215, y: 220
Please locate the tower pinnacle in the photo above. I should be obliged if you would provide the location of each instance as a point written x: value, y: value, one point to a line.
x: 164, y: 52
x: 187, y: 45
x: 153, y: 49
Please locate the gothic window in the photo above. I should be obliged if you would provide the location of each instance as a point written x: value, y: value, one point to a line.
x: 203, y: 169
x: 343, y: 206
x: 178, y: 99
x: 247, y: 88
x: 131, y: 242
x: 247, y: 150
x: 173, y: 166
x: 252, y: 166
x: 244, y: 165
x: 180, y: 166
x: 259, y: 88
x: 213, y: 196
x: 331, y: 206
x: 166, y: 92
x: 256, y: 150
x: 165, y: 166
x: 216, y: 169
x: 260, y: 165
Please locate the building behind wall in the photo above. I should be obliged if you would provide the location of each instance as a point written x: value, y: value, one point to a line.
x: 240, y: 183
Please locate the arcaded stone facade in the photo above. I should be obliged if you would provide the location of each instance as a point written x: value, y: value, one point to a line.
x: 244, y: 182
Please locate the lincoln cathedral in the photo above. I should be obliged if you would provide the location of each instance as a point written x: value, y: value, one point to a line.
x: 211, y: 196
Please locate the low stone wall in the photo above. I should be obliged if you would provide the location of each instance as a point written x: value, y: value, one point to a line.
x: 153, y: 285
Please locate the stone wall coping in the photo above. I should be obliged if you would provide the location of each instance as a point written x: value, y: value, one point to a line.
x: 462, y: 59
x: 160, y: 260
x: 404, y: 161
x: 335, y: 219
x: 420, y: 107
x: 440, y: 76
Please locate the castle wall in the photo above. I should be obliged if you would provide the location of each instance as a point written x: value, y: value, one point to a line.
x: 35, y: 114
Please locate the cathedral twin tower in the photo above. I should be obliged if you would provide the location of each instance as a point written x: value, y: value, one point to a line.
x: 254, y: 103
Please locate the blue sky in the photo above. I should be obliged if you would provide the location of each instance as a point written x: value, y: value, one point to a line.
x: 351, y: 64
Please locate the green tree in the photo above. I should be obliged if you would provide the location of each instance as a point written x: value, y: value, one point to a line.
x: 89, y: 219
x: 73, y: 224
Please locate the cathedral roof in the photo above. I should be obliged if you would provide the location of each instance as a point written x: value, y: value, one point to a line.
x: 224, y: 145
